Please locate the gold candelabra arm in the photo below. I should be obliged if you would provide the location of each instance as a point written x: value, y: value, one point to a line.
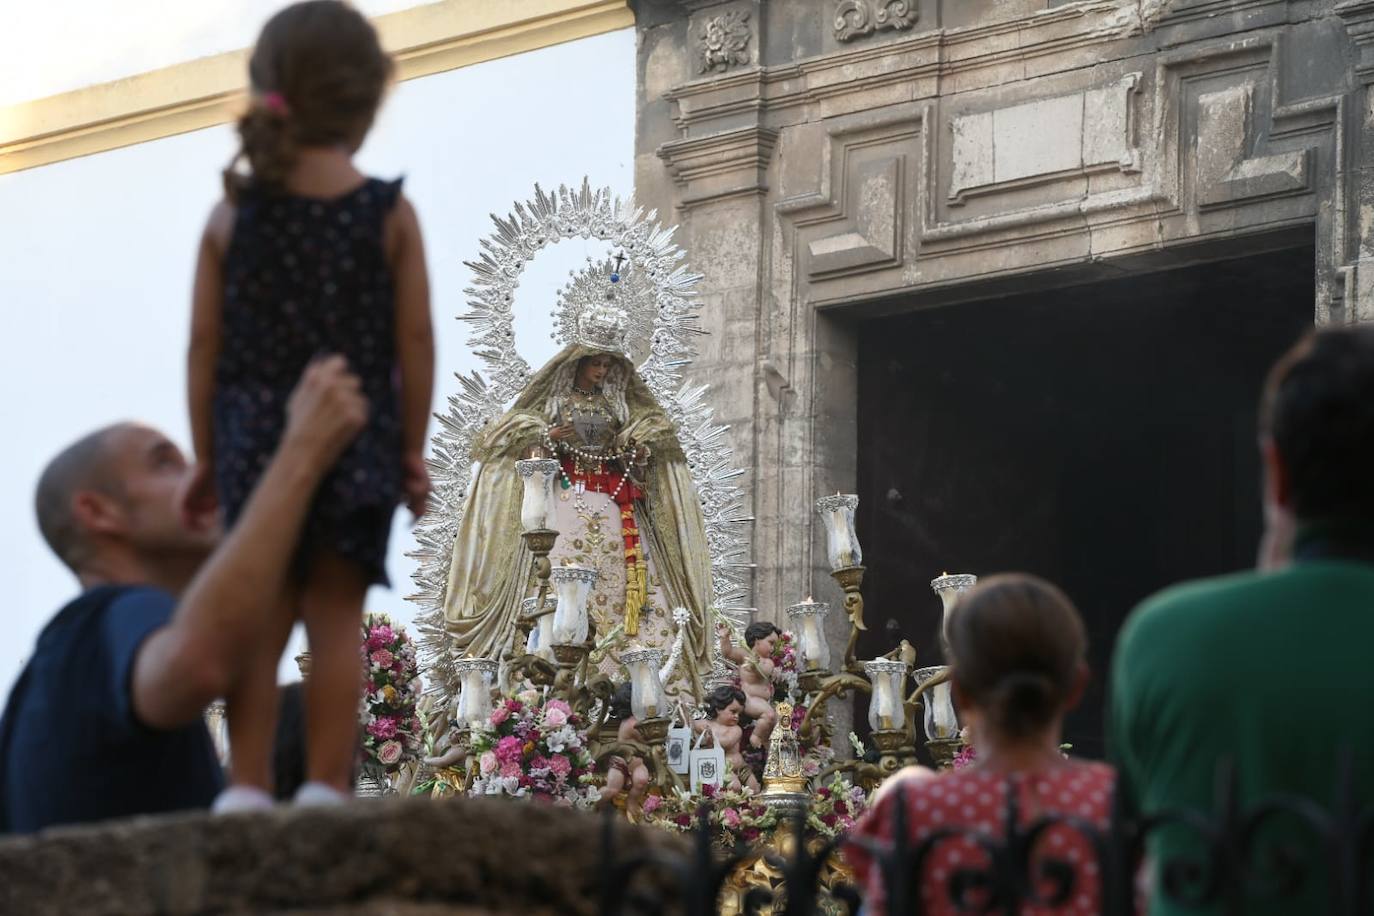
x: 850, y: 578
x: 536, y: 670
x: 836, y: 686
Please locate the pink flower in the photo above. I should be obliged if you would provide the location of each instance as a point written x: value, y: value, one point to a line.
x: 730, y: 817
x: 389, y: 753
x: 500, y: 714
x: 560, y: 765
x: 379, y: 636
x: 555, y: 718
x: 510, y: 769
x: 382, y: 658
x: 488, y: 763
x: 508, y: 749
x: 966, y: 756
x: 651, y: 803
x: 383, y: 727
x: 538, y: 762
x: 559, y: 705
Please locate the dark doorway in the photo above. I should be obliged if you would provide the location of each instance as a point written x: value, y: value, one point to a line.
x: 1101, y: 436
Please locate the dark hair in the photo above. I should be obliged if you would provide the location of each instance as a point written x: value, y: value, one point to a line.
x: 759, y: 629
x: 1016, y: 643
x: 317, y: 76
x: 79, y: 466
x: 721, y: 697
x: 620, y: 702
x: 1318, y: 408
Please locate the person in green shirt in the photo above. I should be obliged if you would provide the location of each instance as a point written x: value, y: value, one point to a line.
x: 1270, y: 671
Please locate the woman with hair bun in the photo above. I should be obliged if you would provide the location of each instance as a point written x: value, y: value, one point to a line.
x: 1017, y: 665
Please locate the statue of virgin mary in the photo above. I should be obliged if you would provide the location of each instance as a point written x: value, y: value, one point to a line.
x: 625, y: 506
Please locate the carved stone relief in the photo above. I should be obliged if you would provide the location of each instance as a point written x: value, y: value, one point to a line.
x: 857, y: 18
x: 724, y: 42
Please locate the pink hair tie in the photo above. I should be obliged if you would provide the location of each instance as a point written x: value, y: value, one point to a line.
x: 275, y: 102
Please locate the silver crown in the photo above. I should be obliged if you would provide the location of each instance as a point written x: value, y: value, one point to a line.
x: 604, y: 327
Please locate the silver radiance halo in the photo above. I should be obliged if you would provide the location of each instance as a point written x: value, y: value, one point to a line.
x: 657, y: 300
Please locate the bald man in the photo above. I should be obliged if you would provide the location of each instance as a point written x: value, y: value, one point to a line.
x: 105, y: 720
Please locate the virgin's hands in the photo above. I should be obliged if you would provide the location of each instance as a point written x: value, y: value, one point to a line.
x: 561, y: 433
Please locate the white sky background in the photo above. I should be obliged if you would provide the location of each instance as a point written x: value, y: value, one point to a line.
x: 98, y: 252
x: 59, y: 45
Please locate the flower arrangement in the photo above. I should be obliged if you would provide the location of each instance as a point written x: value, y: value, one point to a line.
x: 734, y: 816
x: 536, y: 750
x: 835, y: 808
x: 392, y: 733
x: 737, y: 817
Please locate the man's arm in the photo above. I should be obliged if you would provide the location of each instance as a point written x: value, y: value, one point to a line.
x: 183, y: 666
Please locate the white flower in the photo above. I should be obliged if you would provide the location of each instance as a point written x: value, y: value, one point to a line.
x: 563, y: 738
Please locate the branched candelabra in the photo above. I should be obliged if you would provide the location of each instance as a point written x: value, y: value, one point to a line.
x: 892, y: 713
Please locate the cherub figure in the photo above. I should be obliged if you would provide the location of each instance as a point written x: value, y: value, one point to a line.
x: 634, y: 771
x: 755, y: 674
x: 723, y: 707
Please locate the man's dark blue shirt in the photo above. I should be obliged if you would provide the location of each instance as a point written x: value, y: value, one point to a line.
x: 71, y: 746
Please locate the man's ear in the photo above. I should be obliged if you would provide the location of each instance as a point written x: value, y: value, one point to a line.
x: 1278, y: 490
x: 96, y: 513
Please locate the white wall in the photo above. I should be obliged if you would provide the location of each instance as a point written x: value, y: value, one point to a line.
x: 96, y: 41
x: 97, y: 256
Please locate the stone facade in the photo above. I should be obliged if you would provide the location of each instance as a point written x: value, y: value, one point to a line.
x: 850, y: 152
x: 458, y: 857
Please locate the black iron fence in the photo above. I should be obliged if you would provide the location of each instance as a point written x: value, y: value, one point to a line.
x: 1282, y: 854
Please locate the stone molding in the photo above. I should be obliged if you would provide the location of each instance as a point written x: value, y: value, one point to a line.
x: 721, y: 166
x: 1201, y: 144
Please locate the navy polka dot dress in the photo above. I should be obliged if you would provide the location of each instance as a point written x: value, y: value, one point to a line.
x: 306, y: 277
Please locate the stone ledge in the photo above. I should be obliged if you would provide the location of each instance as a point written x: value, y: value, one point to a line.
x: 408, y: 858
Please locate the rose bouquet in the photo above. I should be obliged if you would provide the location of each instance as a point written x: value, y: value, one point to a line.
x: 835, y: 808
x: 392, y: 734
x: 536, y: 750
x: 735, y: 817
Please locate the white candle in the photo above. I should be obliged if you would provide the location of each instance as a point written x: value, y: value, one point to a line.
x: 888, y: 677
x: 647, y: 699
x: 842, y: 544
x: 940, y: 719
x: 808, y: 620
x: 572, y: 584
x: 474, y: 698
x: 537, y: 504
x: 950, y: 587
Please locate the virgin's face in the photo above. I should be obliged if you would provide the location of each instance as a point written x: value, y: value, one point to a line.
x: 591, y: 371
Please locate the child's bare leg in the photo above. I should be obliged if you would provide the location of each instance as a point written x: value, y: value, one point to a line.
x: 332, y: 608
x: 639, y: 782
x: 251, y: 704
x: 765, y: 717
x: 615, y: 784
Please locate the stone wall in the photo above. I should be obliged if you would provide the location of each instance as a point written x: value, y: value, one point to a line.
x: 458, y: 857
x: 833, y: 159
